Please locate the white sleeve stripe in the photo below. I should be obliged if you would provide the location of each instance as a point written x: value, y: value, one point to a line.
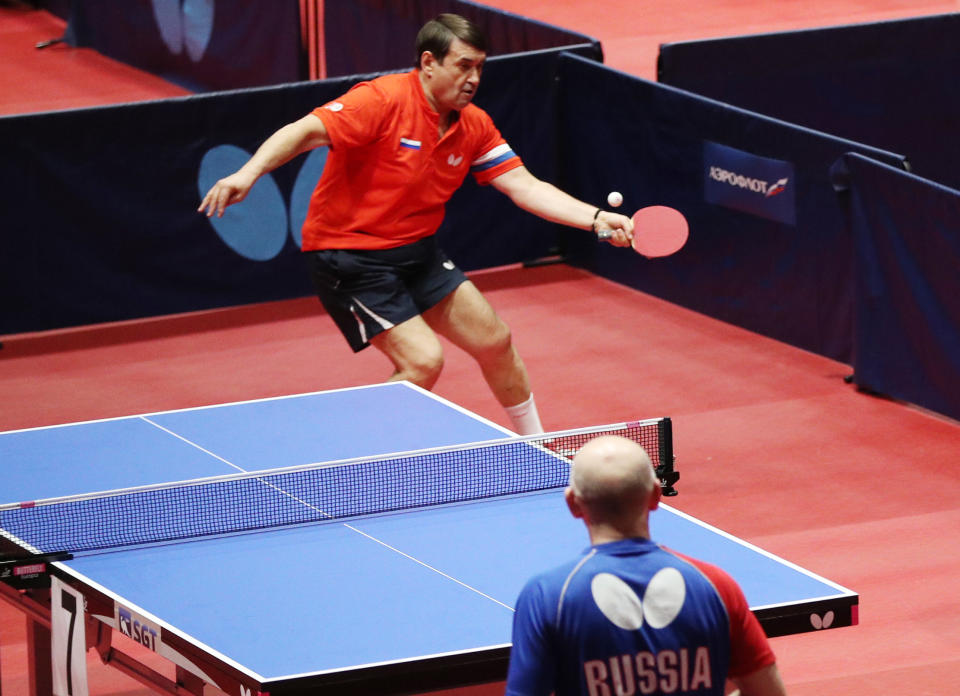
x: 491, y: 154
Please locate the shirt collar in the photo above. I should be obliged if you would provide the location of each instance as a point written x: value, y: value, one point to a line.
x: 625, y: 546
x: 421, y: 97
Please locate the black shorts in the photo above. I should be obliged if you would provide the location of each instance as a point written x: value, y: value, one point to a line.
x: 369, y: 291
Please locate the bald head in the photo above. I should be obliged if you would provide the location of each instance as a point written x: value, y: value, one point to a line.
x: 613, y: 481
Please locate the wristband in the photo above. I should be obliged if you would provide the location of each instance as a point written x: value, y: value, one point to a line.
x: 595, y: 216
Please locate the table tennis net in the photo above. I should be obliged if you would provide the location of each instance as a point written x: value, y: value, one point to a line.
x: 316, y: 493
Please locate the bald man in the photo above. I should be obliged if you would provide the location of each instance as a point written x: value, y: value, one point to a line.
x: 628, y: 616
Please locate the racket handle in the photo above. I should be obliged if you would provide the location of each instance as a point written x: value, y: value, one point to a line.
x: 604, y: 234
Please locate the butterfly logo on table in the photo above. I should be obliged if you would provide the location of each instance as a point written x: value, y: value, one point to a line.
x: 822, y: 622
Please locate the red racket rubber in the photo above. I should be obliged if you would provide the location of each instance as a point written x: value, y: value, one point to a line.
x: 659, y: 230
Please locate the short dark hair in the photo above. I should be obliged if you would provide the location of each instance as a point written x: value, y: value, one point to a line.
x: 437, y: 35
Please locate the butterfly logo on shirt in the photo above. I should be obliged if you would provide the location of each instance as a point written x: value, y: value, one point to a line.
x: 454, y: 161
x: 662, y: 601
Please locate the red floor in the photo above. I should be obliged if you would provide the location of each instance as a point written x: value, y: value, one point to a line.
x: 772, y: 445
x: 60, y: 77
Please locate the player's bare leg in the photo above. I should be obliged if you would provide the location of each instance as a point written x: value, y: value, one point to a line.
x: 469, y: 322
x: 414, y: 350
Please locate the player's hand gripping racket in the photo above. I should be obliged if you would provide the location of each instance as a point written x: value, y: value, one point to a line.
x: 658, y: 231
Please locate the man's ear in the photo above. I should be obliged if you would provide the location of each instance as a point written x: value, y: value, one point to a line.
x: 655, y: 496
x: 427, y: 61
x: 572, y: 503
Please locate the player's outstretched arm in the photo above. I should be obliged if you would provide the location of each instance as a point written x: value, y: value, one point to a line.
x: 547, y: 201
x: 765, y: 681
x: 278, y: 149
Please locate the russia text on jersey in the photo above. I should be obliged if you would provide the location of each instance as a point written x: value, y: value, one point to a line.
x: 667, y: 672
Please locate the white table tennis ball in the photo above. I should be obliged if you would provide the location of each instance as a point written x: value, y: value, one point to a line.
x: 615, y: 199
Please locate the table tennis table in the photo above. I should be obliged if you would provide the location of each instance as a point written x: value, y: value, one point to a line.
x: 401, y: 601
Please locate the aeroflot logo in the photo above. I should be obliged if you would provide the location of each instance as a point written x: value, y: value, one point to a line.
x: 741, y: 180
x: 778, y: 188
x: 745, y: 182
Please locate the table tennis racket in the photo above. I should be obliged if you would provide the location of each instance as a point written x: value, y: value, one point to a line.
x: 658, y: 230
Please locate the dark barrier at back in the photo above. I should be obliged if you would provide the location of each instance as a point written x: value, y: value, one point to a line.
x: 203, y: 47
x: 246, y: 43
x: 371, y: 35
x: 99, y: 207
x: 891, y: 85
x: 907, y: 328
x: 767, y: 251
x: 60, y: 8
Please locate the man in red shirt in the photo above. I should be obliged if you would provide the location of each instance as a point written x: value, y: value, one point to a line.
x: 400, y: 145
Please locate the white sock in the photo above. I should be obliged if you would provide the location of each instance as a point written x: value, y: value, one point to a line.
x: 525, y: 419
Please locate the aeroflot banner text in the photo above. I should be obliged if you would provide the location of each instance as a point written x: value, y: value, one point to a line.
x: 769, y: 249
x: 757, y: 185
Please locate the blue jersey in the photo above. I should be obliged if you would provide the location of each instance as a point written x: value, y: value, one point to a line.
x: 630, y: 617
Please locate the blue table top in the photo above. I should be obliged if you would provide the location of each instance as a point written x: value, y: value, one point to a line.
x: 387, y: 588
x: 225, y: 439
x: 337, y: 595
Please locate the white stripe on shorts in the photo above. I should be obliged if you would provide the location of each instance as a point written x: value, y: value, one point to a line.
x: 373, y: 315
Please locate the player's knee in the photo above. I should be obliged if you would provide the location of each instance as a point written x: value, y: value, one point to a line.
x: 496, y: 343
x: 424, y: 371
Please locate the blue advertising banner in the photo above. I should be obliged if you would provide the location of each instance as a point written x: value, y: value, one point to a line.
x: 761, y: 186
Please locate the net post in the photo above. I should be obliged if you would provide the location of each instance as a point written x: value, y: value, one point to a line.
x: 665, y: 470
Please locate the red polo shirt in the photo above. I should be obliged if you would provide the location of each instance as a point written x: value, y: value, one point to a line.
x: 389, y: 174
